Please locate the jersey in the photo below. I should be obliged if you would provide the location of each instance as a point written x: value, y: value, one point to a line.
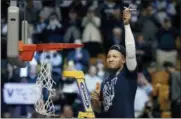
x: 118, y: 94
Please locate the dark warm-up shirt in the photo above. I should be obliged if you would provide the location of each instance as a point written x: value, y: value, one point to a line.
x: 118, y: 94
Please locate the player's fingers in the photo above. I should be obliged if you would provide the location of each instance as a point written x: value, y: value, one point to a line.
x: 96, y: 91
x: 95, y: 97
x: 126, y: 10
x: 125, y: 14
x: 95, y: 94
x: 97, y: 86
x: 125, y: 17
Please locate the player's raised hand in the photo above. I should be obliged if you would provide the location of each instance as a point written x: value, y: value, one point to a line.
x: 126, y: 16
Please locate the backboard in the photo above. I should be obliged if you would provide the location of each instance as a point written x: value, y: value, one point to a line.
x: 13, y: 36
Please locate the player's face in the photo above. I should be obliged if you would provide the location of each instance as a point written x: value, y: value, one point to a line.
x: 115, y: 59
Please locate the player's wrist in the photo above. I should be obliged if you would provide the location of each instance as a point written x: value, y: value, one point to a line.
x: 127, y: 25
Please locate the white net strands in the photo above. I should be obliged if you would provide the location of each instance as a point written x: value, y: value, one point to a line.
x: 45, y: 81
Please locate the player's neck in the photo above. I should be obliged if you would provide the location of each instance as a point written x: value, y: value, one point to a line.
x: 116, y: 72
x: 119, y: 70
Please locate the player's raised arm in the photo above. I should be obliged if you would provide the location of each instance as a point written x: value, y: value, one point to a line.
x: 131, y: 62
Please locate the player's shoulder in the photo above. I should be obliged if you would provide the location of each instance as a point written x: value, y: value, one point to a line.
x: 131, y: 73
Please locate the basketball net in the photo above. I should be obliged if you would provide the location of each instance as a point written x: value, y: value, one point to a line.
x: 45, y: 82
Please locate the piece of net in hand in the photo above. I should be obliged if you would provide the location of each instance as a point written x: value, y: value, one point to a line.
x: 45, y: 82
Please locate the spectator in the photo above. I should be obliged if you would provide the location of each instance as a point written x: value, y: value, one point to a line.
x: 116, y: 20
x: 142, y: 51
x: 140, y: 99
x: 100, y: 70
x: 166, y: 43
x: 7, y: 115
x: 94, y: 4
x: 91, y: 33
x: 54, y: 57
x: 147, y: 112
x: 37, y: 5
x: 54, y: 31
x: 80, y: 56
x: 46, y: 12
x: 151, y: 69
x: 79, y: 7
x: 160, y: 7
x: 144, y: 84
x: 4, y: 26
x: 142, y: 94
x: 70, y: 88
x: 50, y: 7
x: 176, y: 18
x: 149, y: 26
x: 32, y: 73
x: 41, y: 25
x: 30, y: 11
x: 57, y: 65
x: 117, y: 38
x: 13, y: 75
x: 164, y: 9
x: 110, y: 18
x: 108, y: 8
x: 92, y: 79
x: 73, y: 28
x: 175, y: 89
x: 59, y: 98
x: 67, y: 112
x: 134, y: 5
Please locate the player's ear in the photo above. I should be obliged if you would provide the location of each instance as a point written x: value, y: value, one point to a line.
x: 123, y: 59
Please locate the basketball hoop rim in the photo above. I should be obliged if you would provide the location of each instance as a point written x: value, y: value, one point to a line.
x: 26, y: 51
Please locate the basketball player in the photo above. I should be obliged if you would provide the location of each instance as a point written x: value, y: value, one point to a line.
x: 117, y: 94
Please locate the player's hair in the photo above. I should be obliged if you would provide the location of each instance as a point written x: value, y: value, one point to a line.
x: 119, y: 48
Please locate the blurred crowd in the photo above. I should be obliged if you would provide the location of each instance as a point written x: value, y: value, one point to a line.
x: 98, y: 25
